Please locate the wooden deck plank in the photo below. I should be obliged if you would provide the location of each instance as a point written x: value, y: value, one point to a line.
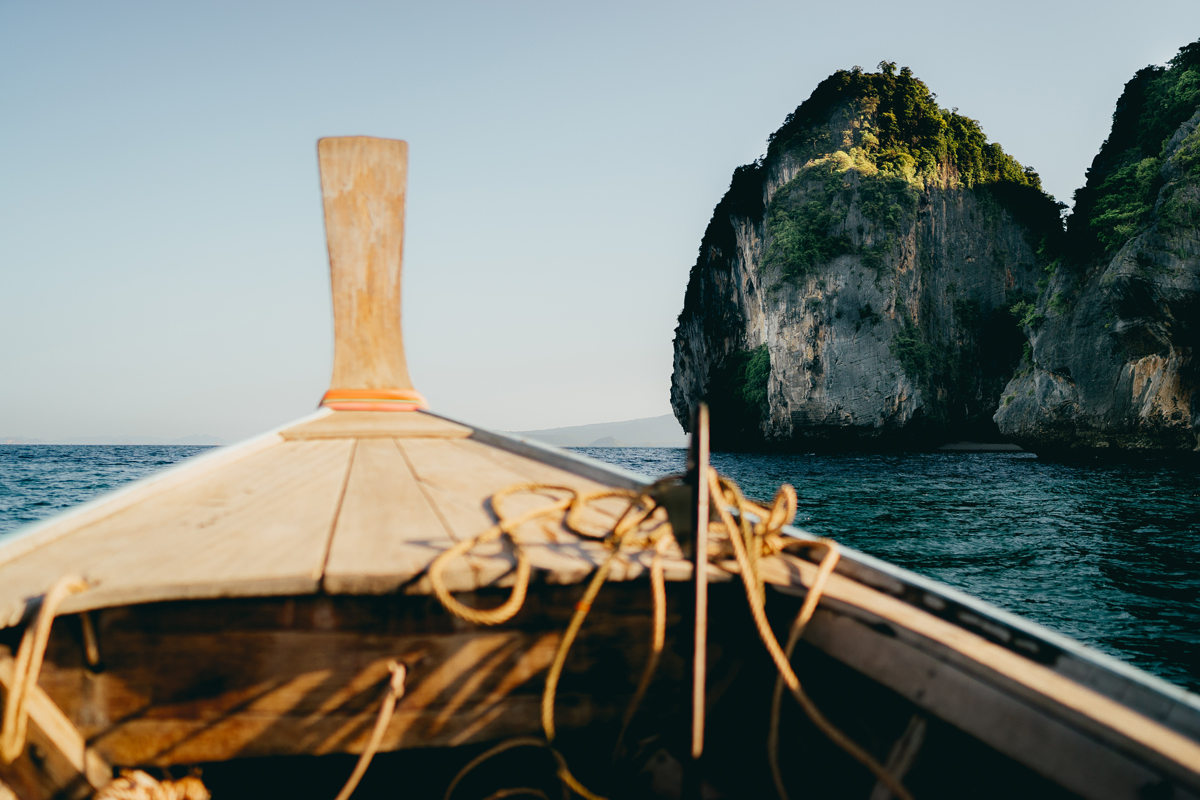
x: 386, y: 533
x: 259, y: 526
x: 14, y: 547
x: 629, y: 566
x: 378, y: 425
x: 460, y: 482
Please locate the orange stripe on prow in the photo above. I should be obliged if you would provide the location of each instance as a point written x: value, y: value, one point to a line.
x: 374, y: 400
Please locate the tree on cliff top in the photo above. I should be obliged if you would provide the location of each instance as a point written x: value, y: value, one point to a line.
x: 909, y: 124
x: 910, y: 135
x: 1124, y: 179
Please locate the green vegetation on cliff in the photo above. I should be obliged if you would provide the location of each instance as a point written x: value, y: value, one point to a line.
x: 900, y: 140
x: 737, y: 396
x: 806, y: 210
x: 908, y: 133
x: 879, y: 139
x: 1125, y: 178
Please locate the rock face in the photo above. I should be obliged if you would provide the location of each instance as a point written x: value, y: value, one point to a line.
x: 853, y: 287
x: 1112, y: 362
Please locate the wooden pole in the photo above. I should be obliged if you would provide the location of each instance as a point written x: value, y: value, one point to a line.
x: 700, y: 576
x: 363, y: 184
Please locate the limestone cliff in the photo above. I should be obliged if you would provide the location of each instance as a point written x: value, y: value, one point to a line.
x: 1113, y: 338
x: 854, y: 286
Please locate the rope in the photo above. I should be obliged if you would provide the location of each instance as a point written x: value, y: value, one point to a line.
x: 624, y: 535
x: 798, y: 625
x: 137, y: 785
x: 564, y: 774
x: 508, y: 744
x: 729, y: 492
x: 658, y: 588
x: 32, y: 650
x: 394, y: 692
x: 502, y: 528
x: 639, y: 510
x: 756, y: 533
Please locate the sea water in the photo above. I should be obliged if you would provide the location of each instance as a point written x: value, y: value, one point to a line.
x: 39, y: 480
x: 1106, y: 553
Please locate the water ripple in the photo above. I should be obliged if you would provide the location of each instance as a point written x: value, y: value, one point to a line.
x: 1107, y: 554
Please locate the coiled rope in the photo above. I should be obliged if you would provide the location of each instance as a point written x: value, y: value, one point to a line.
x: 756, y: 533
x: 138, y: 785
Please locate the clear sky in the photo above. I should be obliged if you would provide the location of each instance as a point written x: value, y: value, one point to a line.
x: 162, y: 260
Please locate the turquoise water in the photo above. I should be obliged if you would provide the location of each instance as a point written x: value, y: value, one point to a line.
x: 1107, y: 554
x: 39, y: 480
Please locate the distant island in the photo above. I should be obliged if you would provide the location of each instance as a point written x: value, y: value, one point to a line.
x: 661, y: 431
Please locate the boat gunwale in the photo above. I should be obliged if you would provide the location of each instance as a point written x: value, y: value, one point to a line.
x: 898, y: 582
x: 892, y: 579
x: 23, y: 539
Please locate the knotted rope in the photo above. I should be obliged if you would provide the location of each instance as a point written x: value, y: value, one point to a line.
x: 138, y: 785
x: 28, y: 666
x: 756, y: 533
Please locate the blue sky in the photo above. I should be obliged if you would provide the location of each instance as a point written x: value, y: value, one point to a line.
x: 162, y: 262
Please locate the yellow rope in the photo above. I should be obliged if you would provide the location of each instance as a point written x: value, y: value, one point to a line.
x: 728, y: 491
x: 508, y: 744
x: 564, y: 774
x: 757, y: 532
x: 138, y: 785
x: 506, y: 611
x: 658, y: 588
x: 29, y: 665
x: 505, y: 526
x: 638, y: 511
x: 394, y: 692
x: 798, y: 625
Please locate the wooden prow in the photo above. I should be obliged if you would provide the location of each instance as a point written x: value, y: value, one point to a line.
x: 363, y: 182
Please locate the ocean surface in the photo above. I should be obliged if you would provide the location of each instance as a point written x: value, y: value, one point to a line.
x: 1108, y: 554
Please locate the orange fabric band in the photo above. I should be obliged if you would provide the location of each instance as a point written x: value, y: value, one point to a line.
x: 374, y: 400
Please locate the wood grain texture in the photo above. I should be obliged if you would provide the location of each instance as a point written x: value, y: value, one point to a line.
x: 262, y: 521
x: 57, y: 761
x: 259, y: 526
x: 1087, y: 765
x: 15, y: 547
x: 1058, y: 700
x: 387, y: 533
x: 543, y: 549
x: 460, y: 481
x: 323, y: 698
x: 214, y: 680
x: 191, y: 682
x: 408, y: 499
x: 373, y: 424
x: 363, y: 183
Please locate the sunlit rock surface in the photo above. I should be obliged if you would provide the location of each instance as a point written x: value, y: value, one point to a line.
x: 847, y: 297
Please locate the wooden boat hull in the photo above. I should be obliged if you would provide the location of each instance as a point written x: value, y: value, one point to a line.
x: 949, y: 710
x: 240, y: 613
